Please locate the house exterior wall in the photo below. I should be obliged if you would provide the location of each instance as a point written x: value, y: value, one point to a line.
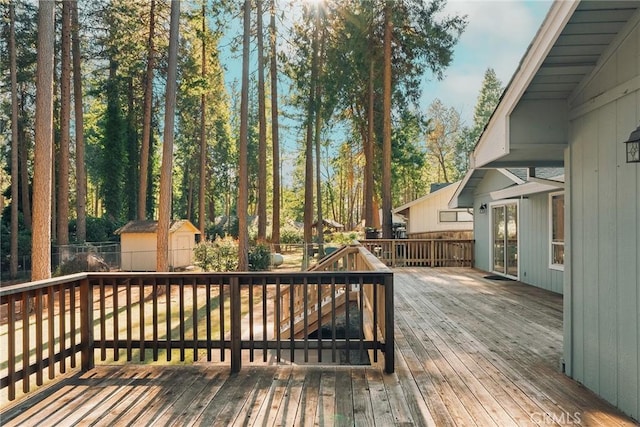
x: 138, y: 251
x: 424, y: 216
x: 534, y: 243
x: 492, y: 181
x: 602, y: 338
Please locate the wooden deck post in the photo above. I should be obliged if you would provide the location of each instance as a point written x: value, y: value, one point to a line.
x: 236, y: 329
x: 86, y: 325
x: 389, y: 341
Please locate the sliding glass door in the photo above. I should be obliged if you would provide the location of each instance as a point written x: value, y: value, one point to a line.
x: 504, y: 222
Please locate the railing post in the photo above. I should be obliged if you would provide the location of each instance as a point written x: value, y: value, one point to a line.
x: 86, y: 324
x: 389, y: 341
x: 393, y: 253
x: 236, y: 329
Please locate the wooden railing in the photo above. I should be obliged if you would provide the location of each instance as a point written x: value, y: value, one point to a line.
x: 422, y: 252
x: 84, y: 319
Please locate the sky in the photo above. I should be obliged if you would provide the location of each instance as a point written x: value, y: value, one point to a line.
x: 497, y: 36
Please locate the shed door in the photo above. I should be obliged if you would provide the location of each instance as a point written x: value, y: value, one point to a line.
x: 505, y: 239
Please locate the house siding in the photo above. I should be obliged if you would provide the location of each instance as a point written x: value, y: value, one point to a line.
x: 492, y: 181
x: 425, y: 215
x: 535, y: 245
x: 533, y: 238
x: 604, y: 338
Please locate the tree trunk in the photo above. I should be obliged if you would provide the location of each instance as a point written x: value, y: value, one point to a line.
x: 243, y: 171
x: 13, y: 268
x: 318, y: 127
x: 262, y: 134
x: 24, y: 170
x: 146, y: 119
x: 386, y: 126
x: 202, y: 201
x: 308, y: 176
x: 368, y: 149
x: 41, y: 236
x: 164, y: 205
x: 81, y: 175
x: 275, y: 223
x: 62, y: 217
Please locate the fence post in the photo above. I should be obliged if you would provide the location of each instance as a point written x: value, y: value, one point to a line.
x: 86, y: 324
x: 389, y: 340
x: 236, y: 329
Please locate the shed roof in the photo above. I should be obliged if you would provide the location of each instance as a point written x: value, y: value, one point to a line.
x: 148, y: 226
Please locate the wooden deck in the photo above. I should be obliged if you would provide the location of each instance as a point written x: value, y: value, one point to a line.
x: 470, y: 351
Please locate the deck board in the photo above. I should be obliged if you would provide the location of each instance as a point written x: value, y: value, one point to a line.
x: 469, y: 351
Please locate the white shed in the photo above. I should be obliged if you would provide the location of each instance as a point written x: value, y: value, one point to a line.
x: 138, y: 240
x: 431, y: 217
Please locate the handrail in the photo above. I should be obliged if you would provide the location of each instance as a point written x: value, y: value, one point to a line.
x: 78, y: 320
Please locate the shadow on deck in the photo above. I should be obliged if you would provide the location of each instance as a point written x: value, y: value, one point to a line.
x: 469, y: 351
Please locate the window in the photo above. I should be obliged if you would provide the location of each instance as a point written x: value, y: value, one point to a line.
x: 455, y: 216
x: 556, y: 227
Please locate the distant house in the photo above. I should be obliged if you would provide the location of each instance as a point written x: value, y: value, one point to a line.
x: 329, y: 225
x: 572, y: 103
x: 138, y: 241
x: 431, y: 217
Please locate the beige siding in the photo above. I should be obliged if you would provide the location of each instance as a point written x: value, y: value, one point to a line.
x: 424, y: 216
x: 604, y: 337
x: 138, y: 251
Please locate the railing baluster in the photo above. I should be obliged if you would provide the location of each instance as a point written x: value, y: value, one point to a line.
x: 361, y: 310
x: 222, y: 322
x: 236, y: 330
x: 26, y: 340
x: 182, y: 319
x: 194, y: 308
x: 347, y: 326
x: 62, y: 313
x: 167, y: 297
x: 116, y: 325
x: 128, y: 285
x: 333, y: 319
x: 292, y: 326
x: 278, y: 321
x: 154, y: 308
x: 103, y: 322
x: 11, y: 347
x: 38, y: 308
x: 51, y: 335
x: 208, y: 316
x: 72, y: 323
x: 305, y: 288
x: 319, y: 298
x: 264, y: 319
x: 142, y: 318
x: 251, y: 337
x: 374, y: 309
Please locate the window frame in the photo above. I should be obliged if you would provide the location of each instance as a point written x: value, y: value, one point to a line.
x: 457, y: 213
x: 552, y: 244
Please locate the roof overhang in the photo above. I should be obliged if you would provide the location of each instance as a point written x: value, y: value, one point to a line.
x: 534, y: 186
x: 529, y: 127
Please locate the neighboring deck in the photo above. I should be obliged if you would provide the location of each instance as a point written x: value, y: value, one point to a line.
x: 469, y: 352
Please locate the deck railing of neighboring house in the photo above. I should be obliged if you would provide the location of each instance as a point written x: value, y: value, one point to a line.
x: 422, y: 252
x: 82, y: 319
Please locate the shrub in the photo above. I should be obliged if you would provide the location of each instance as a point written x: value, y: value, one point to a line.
x: 219, y: 255
x: 291, y: 236
x: 259, y: 257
